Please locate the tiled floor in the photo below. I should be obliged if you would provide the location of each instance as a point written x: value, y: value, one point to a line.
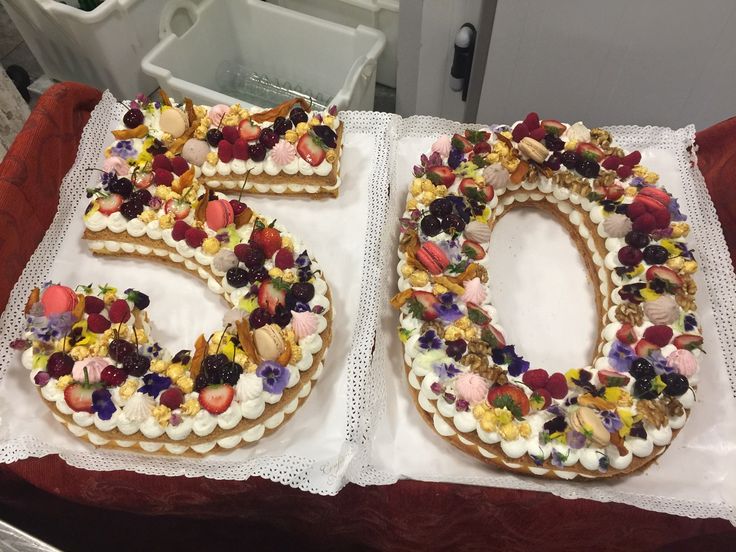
x: 13, y: 51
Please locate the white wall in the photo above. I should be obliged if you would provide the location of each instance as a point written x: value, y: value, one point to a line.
x: 663, y: 62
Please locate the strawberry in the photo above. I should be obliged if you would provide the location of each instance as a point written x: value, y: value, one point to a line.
x: 230, y: 133
x: 461, y: 143
x: 195, y: 237
x: 658, y: 335
x: 609, y: 378
x: 520, y: 132
x: 531, y: 121
x: 177, y: 207
x: 477, y: 315
x: 310, y: 150
x: 626, y: 334
x: 590, y: 151
x: 471, y: 189
x: 143, y: 181
x: 119, y: 311
x: 248, y: 131
x: 110, y: 204
x: 557, y: 386
x: 240, y: 150
x: 611, y: 162
x: 225, y: 151
x: 477, y: 136
x: 510, y: 397
x: 216, y: 399
x: 614, y: 192
x: 632, y: 159
x: 553, y: 127
x: 441, y: 175
x: 540, y: 399
x: 492, y: 335
x: 688, y: 342
x: 163, y: 177
x: 473, y: 250
x: 271, y: 294
x: 161, y: 161
x: 645, y: 348
x: 537, y: 134
x: 481, y: 148
x: 535, y: 379
x: 284, y: 258
x: 267, y: 239
x: 623, y: 172
x: 79, y: 396
x: 179, y: 231
x: 423, y: 305
x: 96, y: 323
x: 179, y: 165
x: 172, y: 398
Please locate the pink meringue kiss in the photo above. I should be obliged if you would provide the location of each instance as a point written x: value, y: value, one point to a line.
x: 442, y: 145
x: 471, y: 387
x: 475, y: 291
x: 117, y: 164
x: 304, y: 323
x: 216, y: 113
x: 94, y: 366
x: 283, y: 153
x: 683, y: 362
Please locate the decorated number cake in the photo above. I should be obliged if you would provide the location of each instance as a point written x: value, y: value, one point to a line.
x: 474, y: 387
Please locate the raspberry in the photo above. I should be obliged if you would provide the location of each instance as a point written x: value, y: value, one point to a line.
x: 284, y: 258
x: 93, y: 305
x: 557, y: 386
x: 225, y: 151
x: 659, y: 335
x: 178, y: 232
x: 96, y: 323
x: 536, y: 379
x: 119, y: 311
x: 194, y: 237
x: 179, y: 165
x: 645, y: 223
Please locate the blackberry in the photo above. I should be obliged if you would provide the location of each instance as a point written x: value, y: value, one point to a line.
x: 231, y: 373
x: 303, y: 291
x: 587, y: 167
x: 136, y: 365
x: 637, y: 239
x: 121, y: 186
x: 131, y: 209
x: 655, y: 254
x: 440, y: 207
x: 641, y: 368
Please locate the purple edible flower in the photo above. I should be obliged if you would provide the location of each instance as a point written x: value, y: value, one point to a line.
x: 124, y: 149
x: 445, y: 370
x: 332, y: 110
x: 274, y: 376
x: 516, y: 364
x: 175, y: 419
x: 108, y: 178
x: 611, y: 421
x: 318, y: 309
x: 621, y: 356
x: 154, y: 384
x: 674, y: 209
x: 462, y: 405
x: 603, y: 463
x: 41, y: 379
x: 455, y: 158
x: 575, y: 439
x: 557, y: 458
x: 437, y: 388
x: 418, y: 171
x: 430, y: 340
x: 102, y: 404
x: 155, y: 203
x: 659, y: 363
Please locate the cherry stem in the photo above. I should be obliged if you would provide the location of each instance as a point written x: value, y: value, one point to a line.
x: 86, y: 377
x: 242, y: 188
x: 95, y: 169
x: 221, y: 338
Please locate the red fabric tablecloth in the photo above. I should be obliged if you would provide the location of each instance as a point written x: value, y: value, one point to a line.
x: 77, y: 509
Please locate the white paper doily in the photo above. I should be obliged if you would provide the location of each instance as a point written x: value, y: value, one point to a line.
x: 695, y: 477
x: 315, y: 450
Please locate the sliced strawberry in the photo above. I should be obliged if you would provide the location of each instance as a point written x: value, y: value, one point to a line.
x: 537, y: 134
x: 225, y: 151
x: 659, y: 335
x: 110, y: 204
x: 248, y: 131
x: 540, y: 399
x: 510, y: 397
x: 520, y: 132
x: 477, y: 315
x: 267, y: 239
x: 531, y: 121
x: 632, y: 159
x: 79, y: 396
x: 688, y: 341
x: 272, y: 294
x: 472, y: 190
x: 493, y: 336
x: 591, y: 151
x: 670, y: 278
x: 143, y: 181
x: 423, y: 305
x: 179, y: 208
x: 553, y: 127
x: 481, y: 148
x: 645, y: 348
x: 614, y: 192
x: 473, y: 250
x: 216, y: 399
x: 609, y: 378
x: 626, y: 334
x: 240, y: 150
x: 477, y: 136
x: 310, y: 150
x: 441, y: 175
x: 611, y: 162
x: 461, y: 143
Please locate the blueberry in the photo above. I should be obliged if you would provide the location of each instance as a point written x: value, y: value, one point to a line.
x: 554, y: 143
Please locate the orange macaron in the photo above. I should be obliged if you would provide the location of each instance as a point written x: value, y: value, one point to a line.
x: 432, y: 258
x: 219, y: 214
x: 58, y: 299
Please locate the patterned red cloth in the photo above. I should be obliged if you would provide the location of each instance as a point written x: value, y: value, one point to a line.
x: 180, y: 513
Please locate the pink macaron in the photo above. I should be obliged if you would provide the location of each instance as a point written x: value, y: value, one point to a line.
x: 58, y: 299
x: 433, y: 258
x: 219, y: 214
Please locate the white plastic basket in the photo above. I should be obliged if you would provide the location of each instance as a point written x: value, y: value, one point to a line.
x: 317, y: 55
x: 103, y: 47
x: 379, y: 14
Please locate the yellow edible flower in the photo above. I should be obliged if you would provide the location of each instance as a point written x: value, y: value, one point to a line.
x: 328, y: 120
x: 211, y: 246
x: 649, y: 294
x: 628, y: 420
x: 64, y: 382
x: 190, y: 407
x: 571, y: 374
x: 439, y: 289
x: 109, y: 297
x: 571, y: 145
x: 130, y: 386
x: 185, y: 383
x: 162, y: 414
